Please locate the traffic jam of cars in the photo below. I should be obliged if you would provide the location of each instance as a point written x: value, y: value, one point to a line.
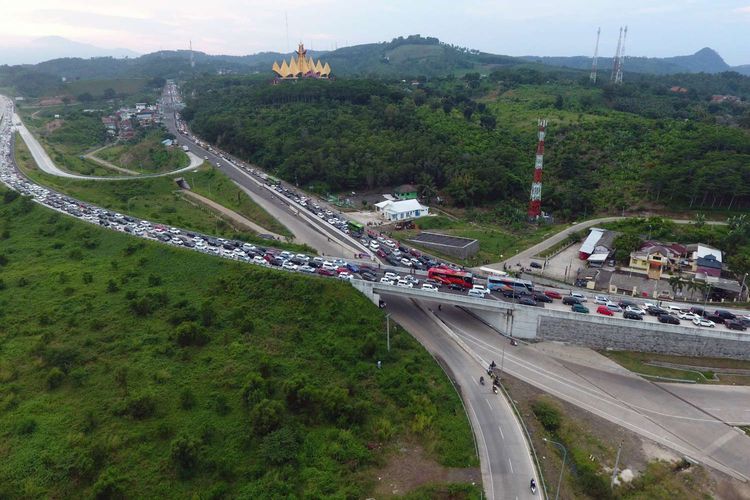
x: 410, y: 268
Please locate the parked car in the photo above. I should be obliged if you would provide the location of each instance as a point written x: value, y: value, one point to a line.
x: 613, y: 307
x: 698, y: 311
x: 630, y: 314
x: 475, y: 293
x: 636, y: 310
x: 553, y: 294
x: 735, y: 324
x: 367, y: 276
x: 579, y: 308
x: 326, y: 272
x: 704, y: 322
x: 604, y: 310
x: 669, y: 319
x: 601, y: 299
x: 527, y: 301
x: 687, y: 316
x: 429, y: 287
x: 541, y: 297
x: 480, y: 288
x: 581, y: 297
x: 625, y: 303
x: 536, y: 265
x: 725, y: 315
x: 655, y: 310
x: 570, y: 300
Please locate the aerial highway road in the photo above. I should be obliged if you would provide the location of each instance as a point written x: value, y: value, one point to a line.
x: 507, y: 466
x: 590, y: 381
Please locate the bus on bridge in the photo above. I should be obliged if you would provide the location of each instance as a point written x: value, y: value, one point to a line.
x: 449, y: 276
x: 509, y: 284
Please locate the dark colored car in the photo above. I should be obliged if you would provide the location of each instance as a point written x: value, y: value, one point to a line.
x: 368, y: 276
x: 540, y: 297
x: 455, y: 286
x: 381, y: 253
x: 527, y: 301
x: 415, y: 252
x: 631, y: 315
x: 714, y: 317
x: 326, y: 272
x: 579, y: 308
x: 725, y: 314
x: 735, y: 324
x: 569, y: 301
x: 669, y: 319
x: 624, y: 303
x: 699, y: 311
x: 656, y: 311
x: 536, y: 265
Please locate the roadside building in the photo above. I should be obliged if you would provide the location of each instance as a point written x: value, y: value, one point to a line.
x: 709, y: 266
x: 701, y: 251
x: 401, y: 210
x: 654, y: 258
x: 405, y: 192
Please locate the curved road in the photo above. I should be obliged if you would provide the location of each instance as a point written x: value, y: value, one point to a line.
x: 45, y: 163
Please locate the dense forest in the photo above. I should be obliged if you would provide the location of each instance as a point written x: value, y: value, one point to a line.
x: 472, y: 139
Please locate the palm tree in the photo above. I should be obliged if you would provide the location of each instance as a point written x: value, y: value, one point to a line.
x: 676, y: 283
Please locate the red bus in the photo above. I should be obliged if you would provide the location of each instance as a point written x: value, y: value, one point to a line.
x: 448, y: 276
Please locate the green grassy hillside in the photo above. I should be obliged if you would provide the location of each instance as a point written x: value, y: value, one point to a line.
x: 132, y: 369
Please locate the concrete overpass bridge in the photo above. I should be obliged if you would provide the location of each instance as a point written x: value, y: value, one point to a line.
x: 590, y: 330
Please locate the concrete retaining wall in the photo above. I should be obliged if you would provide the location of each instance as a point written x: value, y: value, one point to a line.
x: 639, y: 337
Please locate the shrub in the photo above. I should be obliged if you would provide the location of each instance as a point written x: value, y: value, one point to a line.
x: 3, y: 260
x: 88, y: 278
x: 141, y: 407
x: 112, y: 286
x: 109, y: 486
x: 547, y: 414
x: 266, y: 417
x: 10, y: 196
x: 22, y: 282
x: 26, y: 426
x: 190, y: 334
x: 221, y: 405
x: 55, y: 378
x: 187, y: 399
x: 184, y: 453
x: 280, y: 447
x: 154, y: 280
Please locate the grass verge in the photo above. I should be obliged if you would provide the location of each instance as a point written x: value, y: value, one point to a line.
x: 130, y: 368
x: 155, y: 199
x: 689, y: 369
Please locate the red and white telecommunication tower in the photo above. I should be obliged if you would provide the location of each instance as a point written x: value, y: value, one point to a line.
x: 535, y: 204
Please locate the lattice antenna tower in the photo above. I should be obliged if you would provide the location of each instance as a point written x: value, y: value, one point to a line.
x: 616, y: 60
x: 192, y: 59
x: 621, y: 57
x: 593, y: 75
x: 535, y: 203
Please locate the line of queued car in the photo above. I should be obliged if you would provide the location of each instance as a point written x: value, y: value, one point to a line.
x: 672, y: 314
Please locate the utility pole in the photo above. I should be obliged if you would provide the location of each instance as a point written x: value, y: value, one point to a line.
x: 617, y: 464
x: 593, y: 75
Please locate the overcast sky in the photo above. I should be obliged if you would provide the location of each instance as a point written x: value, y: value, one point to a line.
x: 513, y: 27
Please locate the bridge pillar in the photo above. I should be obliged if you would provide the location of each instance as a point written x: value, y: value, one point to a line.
x: 518, y: 322
x: 367, y: 290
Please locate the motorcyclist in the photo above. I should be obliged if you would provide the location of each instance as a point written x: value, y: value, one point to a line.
x: 532, y: 485
x: 481, y: 380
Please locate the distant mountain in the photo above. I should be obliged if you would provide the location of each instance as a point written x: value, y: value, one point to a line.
x: 743, y: 70
x: 55, y: 47
x: 705, y: 60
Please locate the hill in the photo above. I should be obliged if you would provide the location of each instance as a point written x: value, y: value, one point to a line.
x: 705, y: 60
x: 132, y: 369
x: 55, y: 47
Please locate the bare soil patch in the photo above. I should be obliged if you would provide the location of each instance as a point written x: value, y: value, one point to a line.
x: 409, y: 467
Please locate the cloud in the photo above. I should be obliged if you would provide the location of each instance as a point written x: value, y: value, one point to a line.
x: 742, y: 10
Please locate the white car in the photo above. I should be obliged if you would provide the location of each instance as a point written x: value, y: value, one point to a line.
x: 481, y: 289
x: 676, y: 309
x: 688, y: 316
x: 346, y: 276
x: 390, y: 243
x: 636, y: 310
x: 704, y: 322
x: 404, y: 284
x: 391, y: 276
x: 386, y: 281
x: 429, y: 287
x: 260, y: 261
x: 306, y: 269
x: 374, y: 246
x: 475, y: 293
x: 614, y: 307
x: 288, y: 265
x: 581, y: 297
x: 601, y: 299
x: 405, y: 262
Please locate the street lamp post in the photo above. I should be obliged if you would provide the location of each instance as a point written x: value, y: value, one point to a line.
x: 562, y: 468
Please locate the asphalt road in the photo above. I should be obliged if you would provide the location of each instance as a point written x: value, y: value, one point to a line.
x: 593, y: 383
x: 305, y: 227
x: 505, y: 458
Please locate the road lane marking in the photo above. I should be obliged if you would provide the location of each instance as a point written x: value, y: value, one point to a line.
x: 501, y: 432
x: 511, y: 465
x: 488, y: 403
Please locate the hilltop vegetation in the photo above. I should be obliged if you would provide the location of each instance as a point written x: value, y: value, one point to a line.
x: 133, y: 369
x: 472, y: 140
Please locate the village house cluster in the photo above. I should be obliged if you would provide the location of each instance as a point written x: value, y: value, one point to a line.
x: 122, y: 123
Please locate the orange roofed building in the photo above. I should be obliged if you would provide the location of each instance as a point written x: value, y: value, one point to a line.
x: 301, y: 67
